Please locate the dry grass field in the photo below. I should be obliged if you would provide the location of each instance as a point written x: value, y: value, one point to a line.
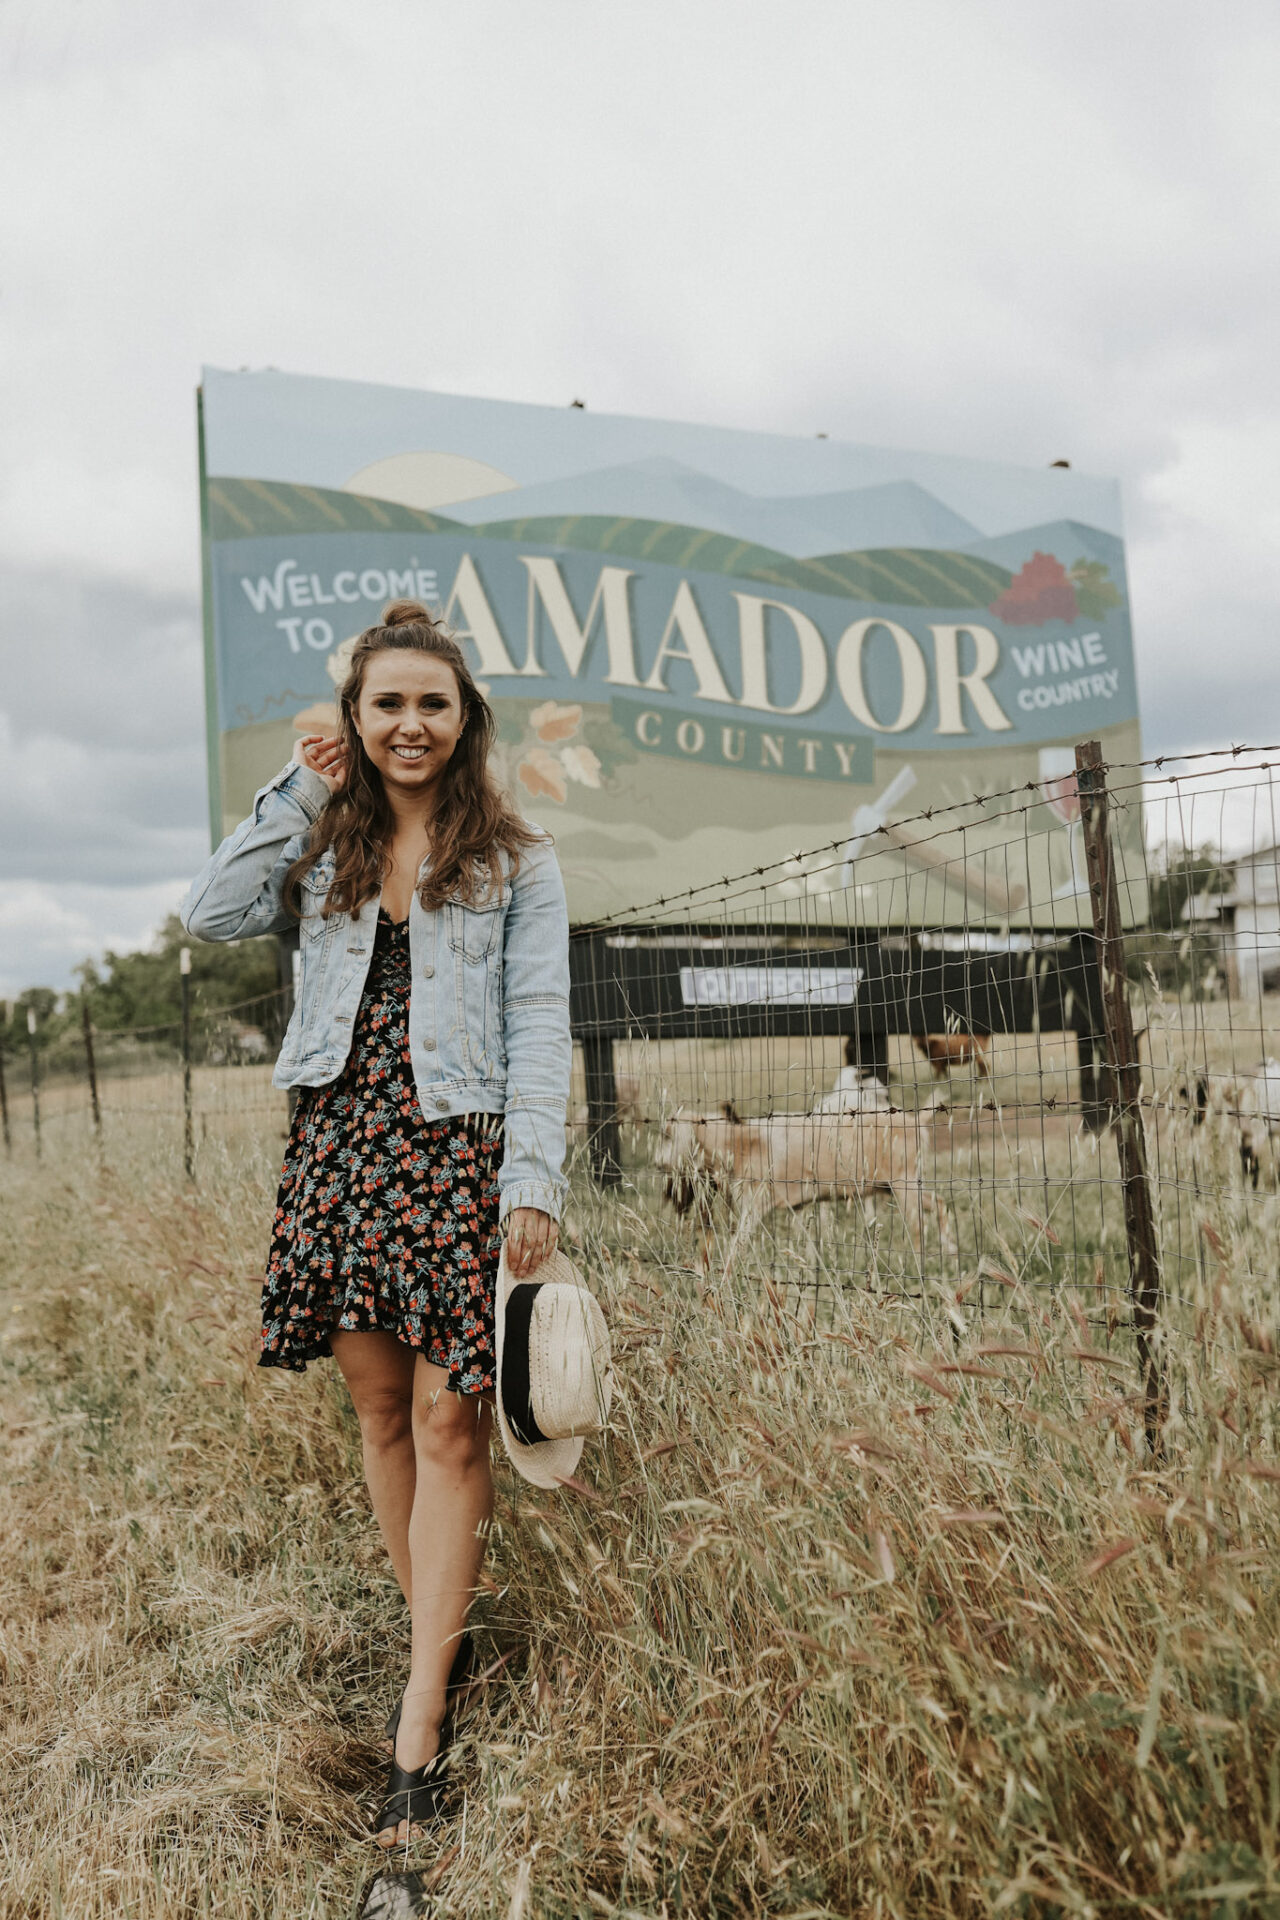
x: 873, y: 1604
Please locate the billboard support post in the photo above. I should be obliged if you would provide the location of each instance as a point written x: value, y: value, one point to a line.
x: 1125, y: 1090
x: 213, y: 737
x: 188, y: 1121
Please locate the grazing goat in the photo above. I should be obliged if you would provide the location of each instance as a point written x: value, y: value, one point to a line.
x: 857, y: 1090
x: 1252, y: 1100
x: 790, y: 1160
x: 627, y: 1113
x: 946, y: 1050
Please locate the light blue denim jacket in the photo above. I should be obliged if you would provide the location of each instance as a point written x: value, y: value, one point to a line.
x: 489, y: 1003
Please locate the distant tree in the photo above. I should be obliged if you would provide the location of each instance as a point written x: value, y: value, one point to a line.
x: 1185, y: 953
x: 144, y: 989
x: 1176, y: 874
x: 132, y: 990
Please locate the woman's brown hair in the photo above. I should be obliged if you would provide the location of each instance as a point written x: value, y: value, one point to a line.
x: 474, y: 823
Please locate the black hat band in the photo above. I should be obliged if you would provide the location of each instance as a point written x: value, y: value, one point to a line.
x: 517, y: 1394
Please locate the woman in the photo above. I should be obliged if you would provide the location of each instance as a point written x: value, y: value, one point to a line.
x: 430, y: 1043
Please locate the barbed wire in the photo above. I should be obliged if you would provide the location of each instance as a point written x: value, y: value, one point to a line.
x: 749, y: 877
x: 199, y: 1015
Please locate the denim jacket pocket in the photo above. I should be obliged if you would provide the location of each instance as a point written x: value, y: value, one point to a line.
x: 475, y: 928
x: 315, y: 937
x: 475, y: 931
x: 314, y: 889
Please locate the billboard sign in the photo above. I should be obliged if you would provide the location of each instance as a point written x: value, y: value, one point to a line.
x: 706, y: 648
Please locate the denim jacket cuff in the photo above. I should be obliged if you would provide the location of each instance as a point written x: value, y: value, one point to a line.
x: 542, y: 1194
x: 303, y: 786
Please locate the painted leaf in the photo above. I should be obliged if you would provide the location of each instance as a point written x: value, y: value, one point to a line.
x: 337, y: 662
x: 1096, y: 591
x: 552, y: 722
x: 539, y: 772
x: 581, y: 765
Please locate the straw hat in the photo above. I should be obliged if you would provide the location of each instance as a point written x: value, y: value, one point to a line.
x: 554, y: 1373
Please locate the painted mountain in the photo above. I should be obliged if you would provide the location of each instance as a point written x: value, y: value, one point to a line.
x: 898, y: 514
x: 892, y: 545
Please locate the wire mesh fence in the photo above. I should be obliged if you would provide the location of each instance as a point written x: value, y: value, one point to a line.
x: 183, y: 1082
x: 1027, y: 1043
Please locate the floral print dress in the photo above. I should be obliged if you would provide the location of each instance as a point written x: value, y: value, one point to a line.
x: 385, y: 1220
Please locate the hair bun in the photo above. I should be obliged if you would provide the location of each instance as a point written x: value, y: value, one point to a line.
x: 405, y: 613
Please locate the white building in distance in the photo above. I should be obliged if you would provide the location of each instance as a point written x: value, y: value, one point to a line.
x: 1255, y: 905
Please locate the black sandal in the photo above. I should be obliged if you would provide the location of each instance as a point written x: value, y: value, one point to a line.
x: 464, y: 1661
x: 415, y: 1795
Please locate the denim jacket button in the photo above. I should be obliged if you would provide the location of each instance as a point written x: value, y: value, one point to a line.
x: 428, y: 1045
x: 442, y: 1106
x: 428, y: 973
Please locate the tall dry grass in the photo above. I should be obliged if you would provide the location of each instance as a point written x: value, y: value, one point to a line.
x: 866, y: 1609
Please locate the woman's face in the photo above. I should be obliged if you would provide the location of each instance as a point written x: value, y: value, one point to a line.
x: 409, y: 718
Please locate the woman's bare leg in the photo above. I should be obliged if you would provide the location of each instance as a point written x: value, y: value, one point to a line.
x: 448, y: 1533
x: 378, y: 1370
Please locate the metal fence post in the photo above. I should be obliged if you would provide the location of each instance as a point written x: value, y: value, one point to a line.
x: 188, y: 1119
x: 1126, y: 1085
x: 35, y: 1078
x: 604, y: 1142
x: 91, y: 1065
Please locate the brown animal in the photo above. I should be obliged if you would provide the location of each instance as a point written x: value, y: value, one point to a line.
x: 628, y: 1112
x: 946, y: 1050
x: 791, y: 1160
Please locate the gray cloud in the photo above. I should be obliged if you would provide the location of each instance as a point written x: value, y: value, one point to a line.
x: 102, y: 804
x: 1009, y: 232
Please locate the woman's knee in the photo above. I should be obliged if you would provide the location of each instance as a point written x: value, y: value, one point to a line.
x: 385, y: 1415
x: 450, y: 1429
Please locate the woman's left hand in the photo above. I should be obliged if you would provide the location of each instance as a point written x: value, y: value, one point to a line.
x: 324, y: 756
x: 531, y: 1236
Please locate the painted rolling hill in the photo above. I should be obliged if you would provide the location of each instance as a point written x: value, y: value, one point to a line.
x: 969, y: 575
x: 249, y: 509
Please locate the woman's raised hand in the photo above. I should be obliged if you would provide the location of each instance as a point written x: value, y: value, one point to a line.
x: 324, y: 756
x: 531, y: 1236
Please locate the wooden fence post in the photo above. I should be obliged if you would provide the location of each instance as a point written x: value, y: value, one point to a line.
x: 4, y: 1105
x: 1125, y: 1093
x: 188, y: 1118
x: 92, y: 1066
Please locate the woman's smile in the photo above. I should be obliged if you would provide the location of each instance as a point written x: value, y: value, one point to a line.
x: 409, y: 718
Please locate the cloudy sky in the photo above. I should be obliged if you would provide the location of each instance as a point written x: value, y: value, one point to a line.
x: 986, y: 228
